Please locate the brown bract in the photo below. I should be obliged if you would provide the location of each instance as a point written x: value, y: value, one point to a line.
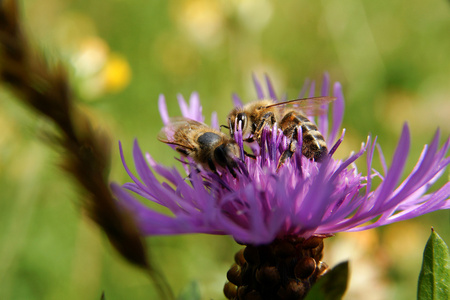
x: 284, y: 269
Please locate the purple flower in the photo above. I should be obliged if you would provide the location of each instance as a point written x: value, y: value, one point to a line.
x: 304, y: 198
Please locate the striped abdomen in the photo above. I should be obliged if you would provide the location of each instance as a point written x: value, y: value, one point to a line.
x: 314, y: 146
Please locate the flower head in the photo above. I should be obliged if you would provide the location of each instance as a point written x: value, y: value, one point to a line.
x: 303, y: 198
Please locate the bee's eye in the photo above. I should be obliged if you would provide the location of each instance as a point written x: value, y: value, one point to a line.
x: 242, y: 117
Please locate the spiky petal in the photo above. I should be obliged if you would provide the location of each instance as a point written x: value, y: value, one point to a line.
x: 303, y: 199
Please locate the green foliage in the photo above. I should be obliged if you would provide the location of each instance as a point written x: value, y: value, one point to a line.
x: 332, y: 285
x: 190, y: 292
x: 434, y: 279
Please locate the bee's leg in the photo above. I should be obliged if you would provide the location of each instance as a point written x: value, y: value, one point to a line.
x: 211, y: 165
x: 287, y: 153
x: 289, y: 124
x: 231, y: 128
x: 184, y: 154
x: 267, y: 119
x: 249, y: 155
x: 182, y: 151
x: 194, y: 171
x: 231, y: 169
x: 291, y: 132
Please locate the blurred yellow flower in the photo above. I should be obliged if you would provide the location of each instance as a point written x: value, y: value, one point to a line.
x: 98, y: 70
x: 116, y: 73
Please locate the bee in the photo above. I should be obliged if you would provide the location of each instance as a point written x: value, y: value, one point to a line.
x: 208, y: 147
x: 254, y: 116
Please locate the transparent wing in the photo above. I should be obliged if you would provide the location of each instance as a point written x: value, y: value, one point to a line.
x: 314, y: 106
x: 177, y: 130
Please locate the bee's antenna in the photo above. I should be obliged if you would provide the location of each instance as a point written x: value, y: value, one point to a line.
x: 181, y: 161
x: 322, y: 99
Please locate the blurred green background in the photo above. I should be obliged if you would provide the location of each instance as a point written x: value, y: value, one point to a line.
x: 392, y: 58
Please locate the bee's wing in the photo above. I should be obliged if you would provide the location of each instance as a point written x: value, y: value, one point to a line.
x: 181, y: 126
x: 311, y: 106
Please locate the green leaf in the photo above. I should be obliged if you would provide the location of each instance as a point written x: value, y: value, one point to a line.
x: 332, y: 285
x: 190, y: 292
x: 434, y: 278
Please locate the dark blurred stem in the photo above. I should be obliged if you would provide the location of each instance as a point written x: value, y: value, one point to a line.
x: 86, y: 152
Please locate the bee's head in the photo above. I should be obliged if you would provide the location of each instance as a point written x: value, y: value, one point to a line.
x: 236, y: 118
x: 226, y: 155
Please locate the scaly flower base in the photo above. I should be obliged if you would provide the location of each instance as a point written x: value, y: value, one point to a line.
x: 284, y: 269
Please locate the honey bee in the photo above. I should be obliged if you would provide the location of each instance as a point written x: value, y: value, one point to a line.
x: 206, y: 146
x: 254, y: 116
